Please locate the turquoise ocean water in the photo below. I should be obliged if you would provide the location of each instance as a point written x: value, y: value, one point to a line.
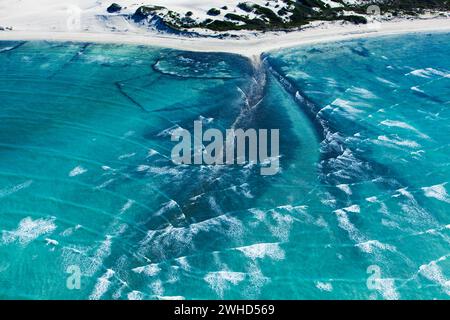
x: 360, y: 209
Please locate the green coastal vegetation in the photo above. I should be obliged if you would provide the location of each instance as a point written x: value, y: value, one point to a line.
x: 284, y: 14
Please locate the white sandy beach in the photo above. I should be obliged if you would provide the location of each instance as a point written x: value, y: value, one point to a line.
x: 50, y: 21
x: 247, y: 47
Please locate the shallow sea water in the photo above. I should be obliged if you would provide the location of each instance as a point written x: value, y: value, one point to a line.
x: 86, y: 178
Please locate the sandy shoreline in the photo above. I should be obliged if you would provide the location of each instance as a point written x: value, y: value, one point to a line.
x: 250, y: 47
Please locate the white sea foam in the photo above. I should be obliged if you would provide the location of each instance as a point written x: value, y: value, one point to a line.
x: 331, y: 82
x: 116, y: 229
x: 166, y: 207
x: 195, y: 198
x: 260, y: 215
x: 385, y: 81
x: 256, y: 280
x: 399, y: 142
x: 220, y: 281
x: 321, y: 222
x: 135, y: 295
x: 418, y: 154
x: 297, y: 74
x: 151, y: 153
x: 142, y: 168
x: 428, y: 73
x: 324, y: 286
x: 103, y: 59
x: 417, y: 89
x: 28, y: 230
x: 328, y: 200
x: 404, y: 192
x: 205, y: 120
x: 165, y: 171
x: 169, y: 131
x: 368, y: 246
x: 387, y: 288
x: 390, y: 224
x: 6, y: 49
x: 416, y: 214
x: 127, y: 206
x: 51, y: 242
x: 184, y: 264
x: 345, y: 224
x: 419, y: 73
x: 105, y: 184
x: 345, y: 188
x: 129, y: 134
x: 10, y: 190
x: 118, y: 293
x: 438, y: 192
x: 364, y: 93
x: 345, y: 105
x: 77, y: 171
x: 353, y: 208
x: 102, y: 285
x: 171, y: 298
x: 69, y: 231
x: 281, y: 228
x: 403, y: 125
x: 149, y: 270
x: 157, y: 288
x: 372, y: 199
x: 262, y: 250
x: 433, y: 272
x: 103, y: 251
x: 180, y: 238
x: 126, y: 156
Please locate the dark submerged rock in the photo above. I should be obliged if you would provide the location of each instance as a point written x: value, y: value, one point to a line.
x: 114, y: 8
